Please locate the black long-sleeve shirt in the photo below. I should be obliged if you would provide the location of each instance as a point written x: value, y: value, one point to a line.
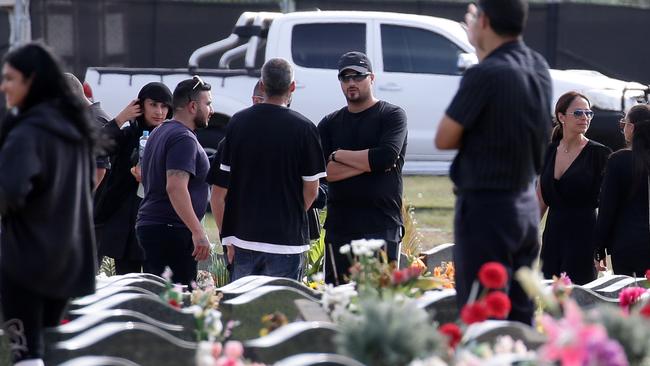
x: 372, y: 201
x: 622, y: 226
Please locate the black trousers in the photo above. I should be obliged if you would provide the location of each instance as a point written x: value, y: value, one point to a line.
x: 165, y: 245
x: 25, y: 315
x: 501, y: 227
x: 337, y: 265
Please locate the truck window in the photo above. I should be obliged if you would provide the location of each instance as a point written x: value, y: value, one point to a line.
x: 320, y: 45
x: 415, y: 50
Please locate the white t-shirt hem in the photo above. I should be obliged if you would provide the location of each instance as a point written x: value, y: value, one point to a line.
x: 264, y: 247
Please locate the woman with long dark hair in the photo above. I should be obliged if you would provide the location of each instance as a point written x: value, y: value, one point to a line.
x: 46, y: 180
x: 116, y: 200
x: 568, y: 186
x: 623, y: 228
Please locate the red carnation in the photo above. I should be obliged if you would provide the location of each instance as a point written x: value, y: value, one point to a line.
x: 647, y: 274
x: 399, y: 277
x: 452, y: 331
x: 498, y: 304
x: 474, y: 313
x: 414, y: 271
x: 173, y: 303
x: 493, y: 275
x: 645, y: 312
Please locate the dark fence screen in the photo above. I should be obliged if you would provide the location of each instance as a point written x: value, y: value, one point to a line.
x: 163, y: 33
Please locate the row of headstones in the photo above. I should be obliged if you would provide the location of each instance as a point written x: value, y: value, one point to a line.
x: 126, y: 318
x: 113, y: 322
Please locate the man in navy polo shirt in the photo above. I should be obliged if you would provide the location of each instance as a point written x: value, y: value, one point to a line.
x: 500, y: 123
x: 275, y: 161
x: 174, y: 168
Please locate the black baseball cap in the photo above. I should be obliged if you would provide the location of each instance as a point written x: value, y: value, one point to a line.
x: 357, y: 61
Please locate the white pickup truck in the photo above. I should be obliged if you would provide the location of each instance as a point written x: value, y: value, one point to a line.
x: 418, y: 62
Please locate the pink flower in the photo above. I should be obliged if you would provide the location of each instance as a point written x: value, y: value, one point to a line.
x: 647, y: 274
x: 233, y: 349
x: 629, y: 296
x: 225, y: 361
x: 569, y: 338
x: 493, y: 275
x: 216, y: 349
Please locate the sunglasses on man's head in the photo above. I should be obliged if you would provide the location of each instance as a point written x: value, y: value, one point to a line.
x: 198, y: 80
x: 359, y: 77
x: 583, y: 112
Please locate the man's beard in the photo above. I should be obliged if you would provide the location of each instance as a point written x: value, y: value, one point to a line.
x: 200, y: 121
x: 359, y: 98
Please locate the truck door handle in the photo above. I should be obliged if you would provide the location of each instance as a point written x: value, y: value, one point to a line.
x: 390, y: 87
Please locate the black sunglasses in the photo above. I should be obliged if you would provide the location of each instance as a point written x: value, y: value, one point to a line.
x: 359, y: 77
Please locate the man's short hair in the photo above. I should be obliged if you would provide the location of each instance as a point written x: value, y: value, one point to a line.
x: 507, y: 17
x: 187, y: 90
x: 75, y: 85
x: 277, y: 75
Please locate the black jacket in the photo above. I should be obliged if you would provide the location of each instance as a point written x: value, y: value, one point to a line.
x: 47, y: 242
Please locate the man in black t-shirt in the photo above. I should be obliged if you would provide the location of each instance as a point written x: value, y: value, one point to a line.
x: 275, y: 161
x: 364, y: 144
x: 500, y: 123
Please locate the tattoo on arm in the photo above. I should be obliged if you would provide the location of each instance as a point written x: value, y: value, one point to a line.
x: 177, y: 173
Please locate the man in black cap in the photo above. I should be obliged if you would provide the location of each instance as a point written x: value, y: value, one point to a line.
x: 364, y: 144
x: 116, y: 199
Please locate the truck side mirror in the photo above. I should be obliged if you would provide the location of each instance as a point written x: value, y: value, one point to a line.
x: 466, y: 60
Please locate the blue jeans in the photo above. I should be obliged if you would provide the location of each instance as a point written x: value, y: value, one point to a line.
x: 250, y: 262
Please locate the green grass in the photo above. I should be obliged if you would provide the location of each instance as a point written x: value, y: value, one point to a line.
x: 432, y: 198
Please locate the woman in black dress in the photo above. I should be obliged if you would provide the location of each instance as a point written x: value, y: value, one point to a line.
x: 568, y: 186
x: 622, y: 227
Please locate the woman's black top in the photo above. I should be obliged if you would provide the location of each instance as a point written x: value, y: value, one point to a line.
x: 568, y: 240
x: 622, y: 226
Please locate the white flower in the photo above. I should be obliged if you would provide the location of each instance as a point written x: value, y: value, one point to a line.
x: 345, y: 249
x: 318, y: 277
x: 520, y: 348
x: 335, y: 300
x: 504, y: 344
x: 204, y: 354
x: 366, y: 247
x: 431, y: 361
x: 196, y: 310
x: 167, y: 274
x: 101, y: 276
x: 213, y: 323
